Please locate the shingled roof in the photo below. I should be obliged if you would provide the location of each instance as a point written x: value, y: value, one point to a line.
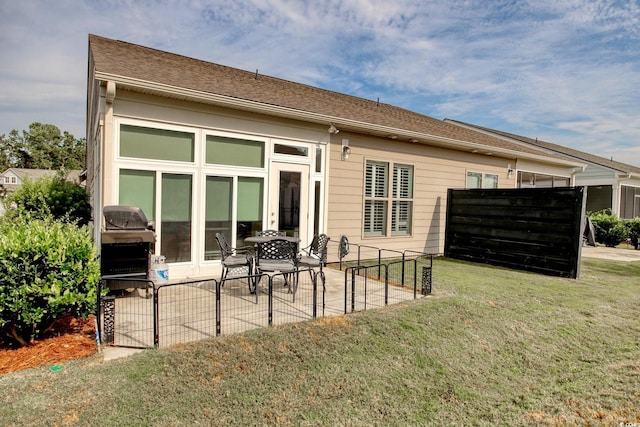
x: 136, y: 67
x: 559, y: 149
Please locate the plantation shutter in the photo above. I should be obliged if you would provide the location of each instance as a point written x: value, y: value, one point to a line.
x: 376, y: 179
x: 402, y: 203
x: 375, y: 210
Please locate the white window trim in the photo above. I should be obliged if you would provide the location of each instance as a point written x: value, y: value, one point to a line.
x: 389, y: 200
x: 483, y: 176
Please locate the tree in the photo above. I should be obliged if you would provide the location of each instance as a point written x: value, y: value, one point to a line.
x: 43, y: 146
x: 50, y: 196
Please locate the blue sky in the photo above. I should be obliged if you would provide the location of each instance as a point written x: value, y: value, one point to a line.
x: 564, y: 71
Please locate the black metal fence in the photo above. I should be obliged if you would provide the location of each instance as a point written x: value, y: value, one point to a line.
x: 141, y: 314
x: 387, y: 281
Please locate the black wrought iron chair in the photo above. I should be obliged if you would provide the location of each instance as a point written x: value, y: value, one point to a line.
x: 278, y: 256
x: 235, y: 259
x: 273, y: 233
x: 315, y: 255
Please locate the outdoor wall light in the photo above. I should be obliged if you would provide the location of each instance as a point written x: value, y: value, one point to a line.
x: 345, y: 149
x: 332, y: 129
x: 509, y: 171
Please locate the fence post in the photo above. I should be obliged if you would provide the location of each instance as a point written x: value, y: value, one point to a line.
x: 402, y: 280
x: 386, y: 284
x: 315, y: 294
x: 415, y: 278
x: 270, y: 310
x: 218, y: 307
x: 426, y: 280
x: 156, y: 317
x: 109, y: 317
x: 379, y: 261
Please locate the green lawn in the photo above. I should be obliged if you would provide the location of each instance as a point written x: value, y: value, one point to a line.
x: 489, y: 347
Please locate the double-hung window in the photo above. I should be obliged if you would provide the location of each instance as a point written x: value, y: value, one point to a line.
x: 402, y: 199
x: 381, y: 190
x: 480, y: 180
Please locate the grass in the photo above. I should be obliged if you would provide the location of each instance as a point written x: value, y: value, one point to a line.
x: 490, y: 347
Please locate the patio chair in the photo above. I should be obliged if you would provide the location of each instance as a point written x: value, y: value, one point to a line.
x: 278, y: 256
x: 235, y: 258
x: 315, y: 255
x: 275, y: 233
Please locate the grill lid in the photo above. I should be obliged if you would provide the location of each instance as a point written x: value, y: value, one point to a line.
x: 119, y: 217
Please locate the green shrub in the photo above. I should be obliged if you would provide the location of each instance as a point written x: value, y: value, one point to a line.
x: 633, y: 225
x: 50, y: 196
x: 610, y: 230
x: 47, y: 268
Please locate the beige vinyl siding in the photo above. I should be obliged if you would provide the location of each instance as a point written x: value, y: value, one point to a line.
x: 434, y: 171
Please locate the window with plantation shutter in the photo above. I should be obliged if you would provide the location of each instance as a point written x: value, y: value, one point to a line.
x: 402, y: 199
x: 375, y: 204
x: 382, y: 192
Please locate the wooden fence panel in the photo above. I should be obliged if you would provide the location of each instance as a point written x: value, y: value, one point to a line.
x: 532, y: 229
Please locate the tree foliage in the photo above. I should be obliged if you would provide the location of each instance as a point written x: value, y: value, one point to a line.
x: 50, y: 196
x: 43, y: 146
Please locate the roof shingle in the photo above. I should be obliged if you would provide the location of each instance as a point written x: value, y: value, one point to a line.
x: 118, y: 58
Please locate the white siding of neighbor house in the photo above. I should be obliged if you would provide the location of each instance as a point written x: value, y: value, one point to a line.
x: 596, y: 175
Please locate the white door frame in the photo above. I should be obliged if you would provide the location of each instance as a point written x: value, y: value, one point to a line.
x: 274, y: 197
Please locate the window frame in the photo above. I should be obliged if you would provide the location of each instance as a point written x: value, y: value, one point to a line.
x: 387, y: 199
x: 482, y: 178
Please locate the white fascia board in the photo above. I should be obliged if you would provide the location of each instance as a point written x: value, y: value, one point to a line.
x: 259, y: 107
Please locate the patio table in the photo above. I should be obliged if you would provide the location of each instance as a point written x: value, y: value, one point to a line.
x: 271, y: 265
x: 263, y: 239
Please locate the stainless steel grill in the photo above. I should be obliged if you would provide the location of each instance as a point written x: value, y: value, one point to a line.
x: 126, y: 244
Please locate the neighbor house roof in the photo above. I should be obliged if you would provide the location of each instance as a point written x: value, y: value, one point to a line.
x: 35, y: 174
x: 559, y: 149
x: 148, y: 70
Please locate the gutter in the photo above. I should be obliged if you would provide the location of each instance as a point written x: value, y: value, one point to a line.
x: 291, y: 113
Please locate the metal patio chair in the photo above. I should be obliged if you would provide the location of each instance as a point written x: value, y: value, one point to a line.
x: 278, y: 256
x: 235, y: 259
x: 315, y: 255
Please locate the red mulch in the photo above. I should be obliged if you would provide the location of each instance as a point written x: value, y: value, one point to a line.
x: 69, y: 339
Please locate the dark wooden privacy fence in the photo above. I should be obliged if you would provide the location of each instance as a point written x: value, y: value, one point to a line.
x: 533, y: 229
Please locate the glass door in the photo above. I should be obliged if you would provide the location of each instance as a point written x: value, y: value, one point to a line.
x: 289, y: 202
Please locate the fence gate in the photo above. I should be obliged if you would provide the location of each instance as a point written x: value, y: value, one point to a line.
x: 126, y: 316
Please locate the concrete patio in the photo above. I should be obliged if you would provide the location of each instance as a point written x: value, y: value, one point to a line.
x: 187, y: 312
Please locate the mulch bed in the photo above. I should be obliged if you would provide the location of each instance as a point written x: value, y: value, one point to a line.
x: 69, y: 339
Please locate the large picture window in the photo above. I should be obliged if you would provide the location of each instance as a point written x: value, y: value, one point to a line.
x: 138, y: 188
x: 380, y: 192
x: 158, y: 144
x: 176, y: 217
x: 222, y: 150
x: 220, y: 195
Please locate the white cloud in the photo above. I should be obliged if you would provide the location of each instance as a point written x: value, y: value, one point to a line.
x: 568, y: 70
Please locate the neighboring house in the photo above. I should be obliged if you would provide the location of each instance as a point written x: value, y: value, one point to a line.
x: 203, y: 148
x: 610, y: 184
x: 12, y: 178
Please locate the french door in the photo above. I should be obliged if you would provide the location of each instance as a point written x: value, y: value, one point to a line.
x: 289, y: 199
